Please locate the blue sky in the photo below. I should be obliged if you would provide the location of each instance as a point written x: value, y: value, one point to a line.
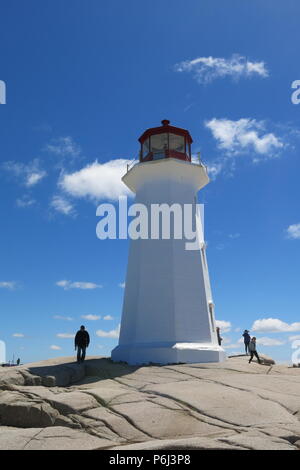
x: 83, y: 81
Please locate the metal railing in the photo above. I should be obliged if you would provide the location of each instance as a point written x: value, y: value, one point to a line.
x: 137, y: 160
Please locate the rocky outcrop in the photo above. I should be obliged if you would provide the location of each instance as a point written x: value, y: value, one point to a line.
x: 57, y: 404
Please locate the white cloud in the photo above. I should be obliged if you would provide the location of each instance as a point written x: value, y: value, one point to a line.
x: 29, y: 174
x: 232, y: 346
x: 226, y: 340
x: 294, y: 337
x: 63, y: 146
x: 77, y: 285
x: 62, y: 205
x: 91, y: 317
x: 220, y: 246
x: 224, y: 326
x: 234, y: 235
x: 59, y: 317
x: 8, y: 285
x: 25, y: 201
x: 108, y: 317
x: 206, y: 69
x: 274, y: 325
x: 265, y: 341
x: 214, y: 169
x: 244, y: 135
x: 34, y: 177
x: 293, y: 231
x: 109, y: 334
x: 122, y: 285
x: 65, y: 335
x: 18, y: 335
x: 54, y: 347
x: 97, y: 181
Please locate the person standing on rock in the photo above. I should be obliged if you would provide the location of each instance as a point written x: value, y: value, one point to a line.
x: 82, y: 341
x: 246, y: 341
x: 252, y: 349
x: 219, y: 336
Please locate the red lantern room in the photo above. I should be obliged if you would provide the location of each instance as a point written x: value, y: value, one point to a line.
x: 165, y: 142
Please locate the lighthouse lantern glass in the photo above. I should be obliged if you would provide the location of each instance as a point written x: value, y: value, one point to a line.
x: 159, y: 143
x: 176, y: 143
x: 165, y: 142
x: 146, y: 148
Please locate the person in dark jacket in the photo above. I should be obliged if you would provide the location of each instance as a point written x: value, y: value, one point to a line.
x: 219, y: 336
x: 82, y: 341
x: 247, y: 339
x: 252, y: 349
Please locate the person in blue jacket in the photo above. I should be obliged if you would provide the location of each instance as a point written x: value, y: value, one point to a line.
x: 247, y: 340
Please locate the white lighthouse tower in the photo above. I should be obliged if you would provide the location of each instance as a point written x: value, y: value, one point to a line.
x: 168, y: 311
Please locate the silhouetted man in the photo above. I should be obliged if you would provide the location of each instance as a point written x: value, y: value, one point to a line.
x: 82, y: 341
x: 219, y: 336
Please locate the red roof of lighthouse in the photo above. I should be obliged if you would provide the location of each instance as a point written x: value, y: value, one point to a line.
x: 165, y: 127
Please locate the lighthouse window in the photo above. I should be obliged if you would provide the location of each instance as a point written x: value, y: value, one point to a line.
x: 177, y: 143
x: 159, y: 143
x: 187, y: 148
x: 145, y: 148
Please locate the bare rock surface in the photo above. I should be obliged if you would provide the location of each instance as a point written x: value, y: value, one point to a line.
x: 58, y: 404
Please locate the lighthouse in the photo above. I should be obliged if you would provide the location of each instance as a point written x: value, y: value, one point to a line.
x: 168, y: 310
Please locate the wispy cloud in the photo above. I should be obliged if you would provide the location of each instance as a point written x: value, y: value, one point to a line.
x: 109, y: 334
x: 25, y: 201
x: 234, y: 235
x: 232, y: 346
x: 62, y: 205
x: 265, y: 341
x: 97, y: 181
x: 66, y: 285
x: 54, y: 347
x: 293, y: 231
x: 63, y: 146
x: 91, y: 317
x: 60, y: 317
x: 28, y: 174
x: 274, y: 325
x: 214, y: 169
x: 65, y: 335
x: 294, y: 337
x: 108, y: 317
x: 8, y: 285
x: 206, y: 69
x: 18, y: 335
x: 224, y: 326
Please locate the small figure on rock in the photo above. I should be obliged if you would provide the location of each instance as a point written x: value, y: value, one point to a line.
x: 246, y: 341
x: 82, y: 341
x: 252, y: 349
x: 219, y: 337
